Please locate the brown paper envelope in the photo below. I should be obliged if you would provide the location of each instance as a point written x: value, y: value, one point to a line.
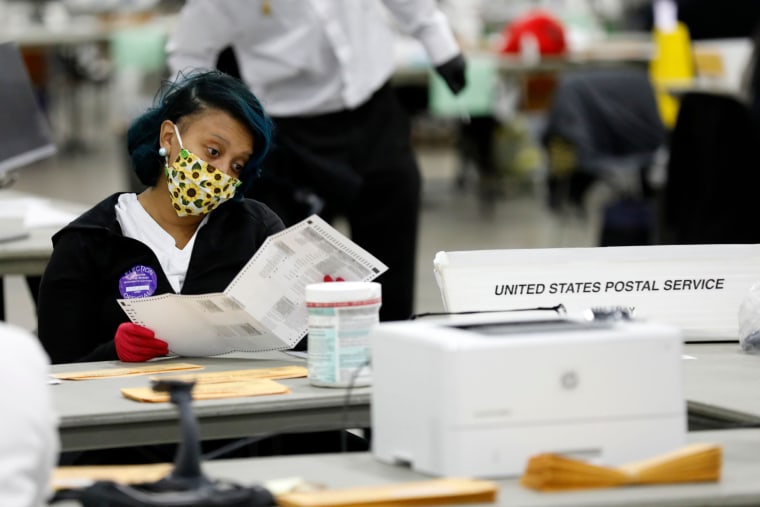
x: 143, y: 369
x: 81, y: 476
x: 434, y: 491
x: 691, y: 463
x: 693, y: 454
x: 238, y: 389
x: 211, y: 377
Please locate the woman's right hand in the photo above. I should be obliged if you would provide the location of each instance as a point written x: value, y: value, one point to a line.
x: 135, y: 344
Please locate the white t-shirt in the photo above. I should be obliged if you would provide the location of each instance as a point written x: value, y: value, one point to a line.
x: 29, y: 442
x: 137, y: 224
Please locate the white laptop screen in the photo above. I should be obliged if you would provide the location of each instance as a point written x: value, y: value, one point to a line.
x: 25, y: 135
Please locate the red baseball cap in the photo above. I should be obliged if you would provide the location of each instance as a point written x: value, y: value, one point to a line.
x: 547, y: 30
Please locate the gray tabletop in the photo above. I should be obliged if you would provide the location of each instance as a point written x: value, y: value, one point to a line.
x: 738, y: 484
x: 30, y: 255
x: 722, y: 382
x: 94, y: 414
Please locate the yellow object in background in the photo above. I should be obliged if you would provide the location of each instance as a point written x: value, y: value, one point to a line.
x: 672, y: 65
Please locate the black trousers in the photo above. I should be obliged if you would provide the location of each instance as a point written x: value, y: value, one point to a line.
x: 357, y: 164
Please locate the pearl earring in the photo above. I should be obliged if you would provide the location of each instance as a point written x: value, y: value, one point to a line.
x: 162, y: 151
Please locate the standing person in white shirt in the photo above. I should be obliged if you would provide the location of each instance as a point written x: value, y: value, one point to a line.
x: 28, y: 428
x: 322, y: 68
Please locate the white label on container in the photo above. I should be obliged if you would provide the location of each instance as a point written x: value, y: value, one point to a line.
x: 339, y: 344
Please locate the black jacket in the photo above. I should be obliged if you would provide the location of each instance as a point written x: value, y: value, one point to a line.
x: 78, y: 313
x: 712, y: 174
x: 610, y: 117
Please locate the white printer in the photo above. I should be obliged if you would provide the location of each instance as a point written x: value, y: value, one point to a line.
x: 477, y: 395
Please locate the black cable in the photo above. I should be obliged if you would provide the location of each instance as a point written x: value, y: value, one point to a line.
x: 242, y: 442
x: 238, y: 444
x: 347, y: 401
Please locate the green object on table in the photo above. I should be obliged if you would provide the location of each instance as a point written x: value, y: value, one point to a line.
x: 139, y: 48
x: 477, y: 97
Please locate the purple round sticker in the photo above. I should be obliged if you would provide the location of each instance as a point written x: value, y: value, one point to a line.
x: 138, y: 282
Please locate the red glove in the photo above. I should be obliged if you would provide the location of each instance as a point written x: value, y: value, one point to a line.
x: 328, y: 278
x: 135, y: 344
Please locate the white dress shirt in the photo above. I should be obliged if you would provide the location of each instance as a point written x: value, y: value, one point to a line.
x: 303, y: 57
x: 137, y: 224
x: 29, y: 442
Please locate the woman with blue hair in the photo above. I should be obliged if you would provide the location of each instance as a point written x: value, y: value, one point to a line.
x: 190, y: 231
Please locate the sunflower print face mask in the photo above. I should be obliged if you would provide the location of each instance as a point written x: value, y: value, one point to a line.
x: 195, y: 186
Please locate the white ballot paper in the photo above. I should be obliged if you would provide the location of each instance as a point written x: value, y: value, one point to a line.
x: 263, y: 308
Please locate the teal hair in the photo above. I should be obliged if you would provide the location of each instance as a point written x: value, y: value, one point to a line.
x: 190, y: 94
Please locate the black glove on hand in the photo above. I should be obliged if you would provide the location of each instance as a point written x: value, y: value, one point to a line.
x: 452, y: 72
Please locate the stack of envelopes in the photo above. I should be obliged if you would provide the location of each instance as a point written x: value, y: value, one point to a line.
x: 692, y: 463
x: 224, y: 384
